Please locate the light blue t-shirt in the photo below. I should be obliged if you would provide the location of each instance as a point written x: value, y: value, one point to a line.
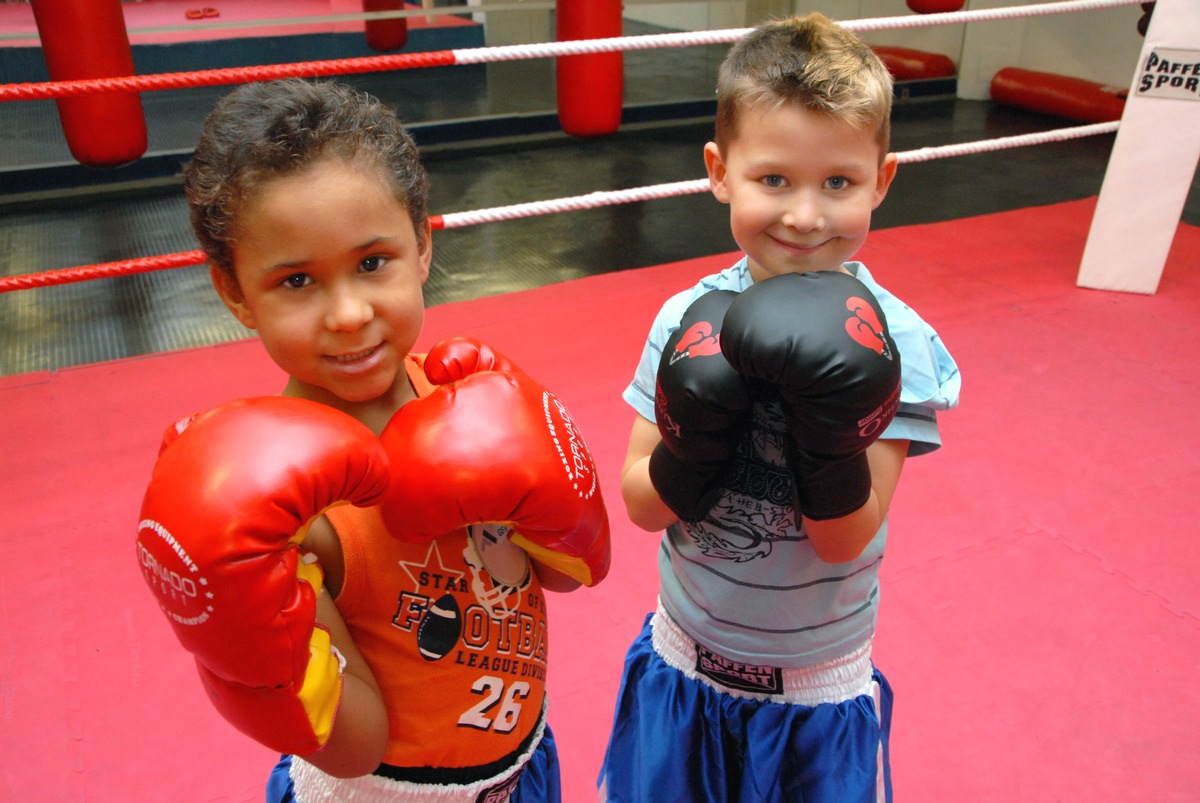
x: 745, y: 582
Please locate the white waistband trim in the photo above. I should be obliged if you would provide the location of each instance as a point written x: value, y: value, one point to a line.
x: 315, y: 786
x: 833, y: 681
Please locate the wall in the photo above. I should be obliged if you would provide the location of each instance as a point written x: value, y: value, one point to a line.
x: 1101, y: 46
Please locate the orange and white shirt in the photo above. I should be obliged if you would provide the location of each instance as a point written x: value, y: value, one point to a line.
x: 459, y: 654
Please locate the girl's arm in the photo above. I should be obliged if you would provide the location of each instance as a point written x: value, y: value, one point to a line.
x: 552, y: 579
x: 360, y: 731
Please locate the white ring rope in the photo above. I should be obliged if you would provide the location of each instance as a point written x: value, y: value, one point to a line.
x: 690, y: 38
x: 1002, y: 143
x: 645, y: 42
x: 687, y: 39
x: 594, y: 200
x: 578, y: 47
x: 984, y: 14
x: 607, y: 198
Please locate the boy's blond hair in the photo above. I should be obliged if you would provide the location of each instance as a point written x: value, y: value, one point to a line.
x: 809, y: 61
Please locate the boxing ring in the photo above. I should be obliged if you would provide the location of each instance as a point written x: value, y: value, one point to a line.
x: 1040, y: 617
x: 1121, y: 257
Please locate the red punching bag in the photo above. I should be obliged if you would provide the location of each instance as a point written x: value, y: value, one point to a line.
x: 591, y: 87
x: 1059, y: 95
x: 87, y: 39
x: 389, y: 34
x: 935, y: 6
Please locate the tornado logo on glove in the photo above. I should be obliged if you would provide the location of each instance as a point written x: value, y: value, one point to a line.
x: 865, y: 327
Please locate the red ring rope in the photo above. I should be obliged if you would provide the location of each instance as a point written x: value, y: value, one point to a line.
x: 225, y: 75
x: 105, y: 270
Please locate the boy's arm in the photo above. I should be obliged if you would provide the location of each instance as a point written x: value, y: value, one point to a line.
x: 834, y: 540
x: 843, y: 539
x: 645, y: 507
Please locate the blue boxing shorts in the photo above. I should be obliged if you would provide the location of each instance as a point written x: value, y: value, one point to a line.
x: 689, y: 729
x: 538, y: 781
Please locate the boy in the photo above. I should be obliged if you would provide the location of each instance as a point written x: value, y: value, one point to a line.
x: 420, y: 674
x: 772, y: 425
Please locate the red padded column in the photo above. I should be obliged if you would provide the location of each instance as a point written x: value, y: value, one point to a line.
x: 87, y: 39
x: 389, y: 34
x: 591, y: 87
x: 935, y: 6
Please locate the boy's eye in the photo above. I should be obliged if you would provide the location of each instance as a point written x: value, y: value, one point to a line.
x: 774, y: 181
x: 838, y: 183
x: 371, y: 264
x: 296, y: 280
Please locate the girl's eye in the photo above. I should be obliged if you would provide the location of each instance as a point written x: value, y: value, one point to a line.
x: 371, y: 264
x: 296, y: 281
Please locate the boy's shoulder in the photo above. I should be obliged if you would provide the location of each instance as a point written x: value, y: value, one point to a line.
x: 892, y: 305
x: 931, y: 375
x: 736, y: 278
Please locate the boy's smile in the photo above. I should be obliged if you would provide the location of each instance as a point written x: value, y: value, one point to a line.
x: 800, y: 186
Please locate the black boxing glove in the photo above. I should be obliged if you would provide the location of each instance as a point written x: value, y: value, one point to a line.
x: 820, y: 341
x: 701, y: 406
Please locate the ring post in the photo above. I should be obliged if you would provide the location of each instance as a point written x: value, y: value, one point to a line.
x: 1153, y: 158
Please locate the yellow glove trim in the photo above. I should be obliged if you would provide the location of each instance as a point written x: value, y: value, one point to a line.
x: 321, y: 691
x: 308, y: 570
x: 567, y: 564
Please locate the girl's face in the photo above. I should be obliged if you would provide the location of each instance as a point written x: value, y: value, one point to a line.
x: 800, y: 187
x: 329, y: 270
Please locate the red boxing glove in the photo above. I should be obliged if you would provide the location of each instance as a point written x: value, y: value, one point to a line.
x: 459, y: 357
x: 495, y: 447
x: 230, y: 499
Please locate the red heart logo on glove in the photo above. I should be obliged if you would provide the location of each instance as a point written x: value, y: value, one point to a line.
x: 865, y: 327
x: 699, y: 341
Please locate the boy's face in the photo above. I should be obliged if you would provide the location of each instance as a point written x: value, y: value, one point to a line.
x: 800, y: 187
x: 329, y: 271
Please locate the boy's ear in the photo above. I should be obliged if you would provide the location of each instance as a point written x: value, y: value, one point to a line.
x: 227, y: 288
x: 716, y: 172
x: 887, y: 172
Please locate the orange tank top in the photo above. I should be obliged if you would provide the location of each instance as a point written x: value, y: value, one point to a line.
x: 459, y: 656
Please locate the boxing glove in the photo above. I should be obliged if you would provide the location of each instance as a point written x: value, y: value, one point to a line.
x: 820, y: 342
x: 458, y: 357
x: 495, y: 447
x: 701, y: 406
x: 230, y: 498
